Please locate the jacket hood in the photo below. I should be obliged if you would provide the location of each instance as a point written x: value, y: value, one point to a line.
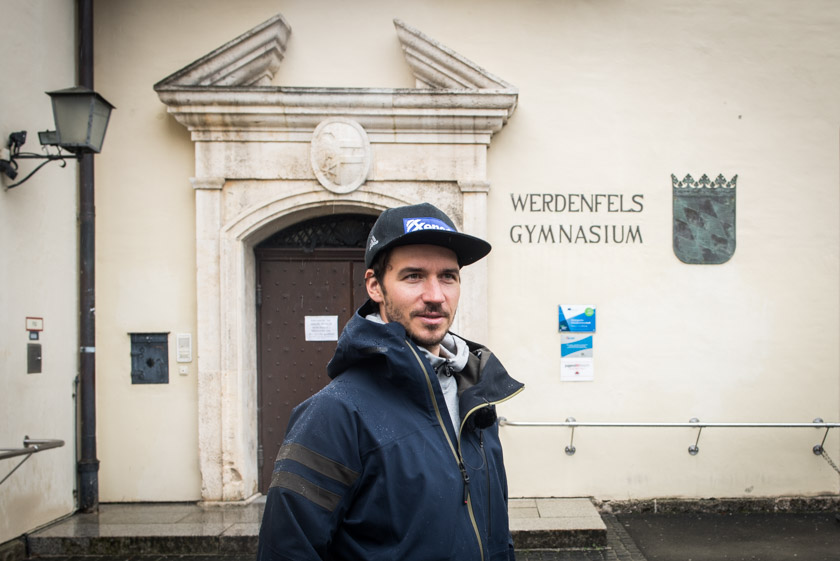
x: 363, y: 340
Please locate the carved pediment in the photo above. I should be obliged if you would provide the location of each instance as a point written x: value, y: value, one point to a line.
x: 249, y: 60
x: 229, y: 91
x: 436, y: 66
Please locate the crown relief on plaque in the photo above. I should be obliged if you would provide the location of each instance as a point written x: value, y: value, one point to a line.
x: 340, y: 154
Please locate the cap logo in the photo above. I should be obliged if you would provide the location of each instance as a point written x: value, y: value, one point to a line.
x: 418, y: 224
x: 373, y: 242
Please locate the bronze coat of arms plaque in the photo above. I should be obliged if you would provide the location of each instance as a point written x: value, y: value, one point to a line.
x: 704, y: 219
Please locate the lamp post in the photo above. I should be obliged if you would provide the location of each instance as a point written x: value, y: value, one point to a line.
x: 81, y: 118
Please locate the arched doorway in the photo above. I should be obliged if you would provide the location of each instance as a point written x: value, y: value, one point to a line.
x: 310, y: 280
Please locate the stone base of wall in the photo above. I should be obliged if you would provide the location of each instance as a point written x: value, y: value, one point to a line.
x: 14, y: 550
x: 720, y: 506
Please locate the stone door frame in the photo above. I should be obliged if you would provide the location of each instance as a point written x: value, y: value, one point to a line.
x: 255, y: 175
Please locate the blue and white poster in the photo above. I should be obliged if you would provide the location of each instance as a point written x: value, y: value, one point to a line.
x: 577, y: 318
x: 576, y: 360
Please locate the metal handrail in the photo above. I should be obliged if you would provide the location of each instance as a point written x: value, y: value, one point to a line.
x: 30, y: 446
x: 693, y: 423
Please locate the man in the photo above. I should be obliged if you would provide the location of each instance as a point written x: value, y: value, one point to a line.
x: 398, y: 458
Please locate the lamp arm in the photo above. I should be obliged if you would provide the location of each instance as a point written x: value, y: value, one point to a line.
x: 35, y: 156
x: 47, y: 160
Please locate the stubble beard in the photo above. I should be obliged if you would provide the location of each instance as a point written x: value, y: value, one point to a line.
x: 427, y: 338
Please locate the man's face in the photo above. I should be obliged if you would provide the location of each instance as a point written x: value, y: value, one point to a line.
x: 420, y: 291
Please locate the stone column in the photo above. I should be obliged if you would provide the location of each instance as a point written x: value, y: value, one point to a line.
x: 473, y: 307
x: 208, y: 221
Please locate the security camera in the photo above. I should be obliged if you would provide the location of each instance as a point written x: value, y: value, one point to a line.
x: 17, y: 139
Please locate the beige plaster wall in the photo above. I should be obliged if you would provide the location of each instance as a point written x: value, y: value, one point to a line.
x: 620, y: 96
x: 147, y: 434
x: 38, y: 276
x: 614, y: 98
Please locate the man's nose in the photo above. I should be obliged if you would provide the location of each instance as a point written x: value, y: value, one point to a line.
x: 434, y: 291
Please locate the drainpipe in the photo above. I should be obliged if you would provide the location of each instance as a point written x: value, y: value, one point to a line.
x: 88, y: 465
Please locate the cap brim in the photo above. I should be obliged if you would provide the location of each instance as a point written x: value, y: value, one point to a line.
x: 467, y: 248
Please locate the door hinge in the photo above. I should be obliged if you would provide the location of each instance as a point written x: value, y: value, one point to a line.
x: 260, y: 459
x: 259, y: 295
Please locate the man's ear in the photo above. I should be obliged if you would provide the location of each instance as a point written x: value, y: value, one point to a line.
x: 374, y: 289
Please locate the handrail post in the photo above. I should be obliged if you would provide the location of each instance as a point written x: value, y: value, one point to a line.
x: 694, y: 449
x: 819, y: 448
x: 570, y: 449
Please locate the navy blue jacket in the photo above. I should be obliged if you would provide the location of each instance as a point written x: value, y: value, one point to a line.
x: 371, y: 467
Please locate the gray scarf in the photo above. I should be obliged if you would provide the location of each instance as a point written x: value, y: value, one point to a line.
x: 453, y: 358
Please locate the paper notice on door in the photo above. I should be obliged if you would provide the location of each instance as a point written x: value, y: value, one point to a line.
x: 321, y: 328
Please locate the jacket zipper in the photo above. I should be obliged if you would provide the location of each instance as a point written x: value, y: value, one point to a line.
x: 459, y: 455
x: 455, y: 453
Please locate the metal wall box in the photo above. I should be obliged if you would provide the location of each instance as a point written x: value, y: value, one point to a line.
x: 33, y: 358
x: 149, y: 358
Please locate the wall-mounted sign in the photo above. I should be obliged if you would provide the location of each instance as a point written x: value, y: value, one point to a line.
x: 577, y: 218
x: 576, y: 360
x: 577, y: 318
x: 321, y: 328
x: 704, y: 219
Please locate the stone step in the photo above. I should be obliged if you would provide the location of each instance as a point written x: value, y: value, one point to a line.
x: 556, y: 524
x: 196, y: 529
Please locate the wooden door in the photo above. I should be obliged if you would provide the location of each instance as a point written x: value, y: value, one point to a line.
x: 324, y: 284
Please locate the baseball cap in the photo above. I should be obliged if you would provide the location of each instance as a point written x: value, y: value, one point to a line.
x: 422, y: 224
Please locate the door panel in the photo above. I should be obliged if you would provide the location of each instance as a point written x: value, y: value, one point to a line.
x: 294, y: 285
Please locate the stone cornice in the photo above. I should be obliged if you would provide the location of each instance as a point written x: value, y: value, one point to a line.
x: 223, y: 95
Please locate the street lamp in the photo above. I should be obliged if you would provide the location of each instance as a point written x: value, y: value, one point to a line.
x: 81, y: 119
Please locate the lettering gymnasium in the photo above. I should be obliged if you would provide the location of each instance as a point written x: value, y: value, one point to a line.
x: 576, y: 233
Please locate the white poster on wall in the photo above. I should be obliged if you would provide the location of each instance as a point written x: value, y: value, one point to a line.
x: 576, y: 358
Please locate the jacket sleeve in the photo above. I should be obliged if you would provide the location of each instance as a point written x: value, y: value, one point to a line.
x: 314, y: 477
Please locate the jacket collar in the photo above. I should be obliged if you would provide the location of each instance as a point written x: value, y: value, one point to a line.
x: 364, y: 343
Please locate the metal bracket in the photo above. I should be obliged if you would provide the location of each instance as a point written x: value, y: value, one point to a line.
x: 694, y: 449
x: 818, y: 448
x: 570, y: 449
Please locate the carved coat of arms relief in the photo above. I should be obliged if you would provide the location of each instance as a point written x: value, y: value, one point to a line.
x: 340, y: 155
x: 704, y: 219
